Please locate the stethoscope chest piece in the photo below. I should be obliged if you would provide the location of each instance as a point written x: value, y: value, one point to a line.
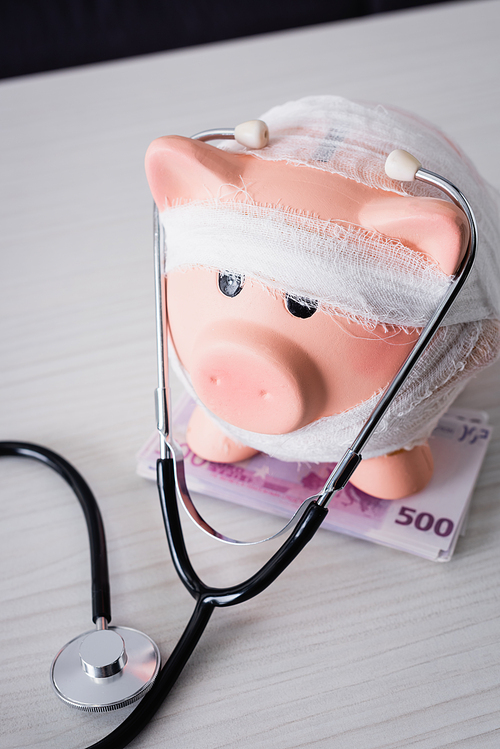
x: 105, y: 669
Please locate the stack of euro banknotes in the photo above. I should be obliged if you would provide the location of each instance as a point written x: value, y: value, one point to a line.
x: 427, y: 524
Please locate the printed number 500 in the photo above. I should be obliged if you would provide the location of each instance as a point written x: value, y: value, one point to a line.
x: 424, y: 521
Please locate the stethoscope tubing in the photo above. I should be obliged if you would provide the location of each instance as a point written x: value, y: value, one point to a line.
x: 138, y: 719
x: 101, y: 596
x: 207, y: 598
x: 221, y: 597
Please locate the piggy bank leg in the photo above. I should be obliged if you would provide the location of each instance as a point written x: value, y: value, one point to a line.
x: 396, y: 475
x: 208, y: 442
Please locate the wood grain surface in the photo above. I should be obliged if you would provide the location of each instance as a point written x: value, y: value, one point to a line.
x: 356, y: 646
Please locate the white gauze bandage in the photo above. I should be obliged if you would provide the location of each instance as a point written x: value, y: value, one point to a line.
x: 352, y: 271
x: 346, y: 269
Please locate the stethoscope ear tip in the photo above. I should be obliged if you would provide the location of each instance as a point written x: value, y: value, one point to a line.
x: 105, y: 669
x: 253, y: 134
x: 401, y: 166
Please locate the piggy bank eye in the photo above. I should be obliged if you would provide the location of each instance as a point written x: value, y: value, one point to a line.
x: 300, y: 306
x: 230, y: 283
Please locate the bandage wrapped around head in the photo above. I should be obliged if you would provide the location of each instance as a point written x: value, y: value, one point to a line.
x: 351, y: 271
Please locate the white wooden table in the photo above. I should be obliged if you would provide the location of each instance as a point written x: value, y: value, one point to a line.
x: 356, y: 646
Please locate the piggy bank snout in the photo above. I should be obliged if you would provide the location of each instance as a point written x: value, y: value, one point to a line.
x: 255, y: 378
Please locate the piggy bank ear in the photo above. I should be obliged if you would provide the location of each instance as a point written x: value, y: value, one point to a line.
x: 435, y: 228
x: 183, y: 169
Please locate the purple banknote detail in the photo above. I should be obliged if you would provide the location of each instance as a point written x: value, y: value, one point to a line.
x: 263, y: 482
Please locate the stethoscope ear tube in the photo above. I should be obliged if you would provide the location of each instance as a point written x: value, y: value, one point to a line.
x: 400, y: 166
x: 345, y: 468
x: 169, y: 449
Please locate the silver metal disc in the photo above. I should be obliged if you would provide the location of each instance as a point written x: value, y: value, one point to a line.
x: 73, y: 684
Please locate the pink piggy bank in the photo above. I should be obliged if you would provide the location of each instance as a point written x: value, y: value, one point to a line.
x: 300, y: 275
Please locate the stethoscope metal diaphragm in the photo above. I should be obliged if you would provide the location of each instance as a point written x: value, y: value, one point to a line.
x: 105, y: 669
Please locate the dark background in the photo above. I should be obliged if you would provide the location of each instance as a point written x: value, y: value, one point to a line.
x: 38, y: 35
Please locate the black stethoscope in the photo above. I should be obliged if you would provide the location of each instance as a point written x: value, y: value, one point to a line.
x: 110, y: 667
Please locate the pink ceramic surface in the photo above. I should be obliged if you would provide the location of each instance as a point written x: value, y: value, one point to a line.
x: 254, y: 364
